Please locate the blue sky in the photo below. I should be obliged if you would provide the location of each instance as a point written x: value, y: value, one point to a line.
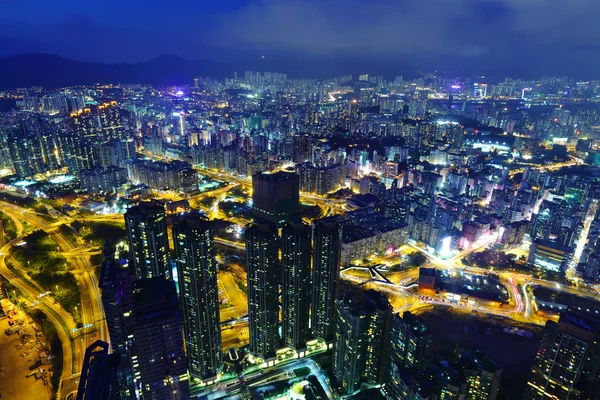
x: 549, y: 36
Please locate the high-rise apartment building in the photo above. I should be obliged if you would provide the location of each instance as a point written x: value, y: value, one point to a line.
x: 158, y: 355
x: 263, y: 308
x: 327, y: 247
x: 83, y: 123
x: 78, y: 152
x: 146, y: 225
x: 295, y: 284
x: 19, y: 152
x: 197, y: 275
x: 362, y: 339
x: 110, y: 120
x: 118, y: 288
x: 411, y: 342
x: 276, y: 197
x: 482, y: 376
x: 567, y: 365
x: 99, y: 375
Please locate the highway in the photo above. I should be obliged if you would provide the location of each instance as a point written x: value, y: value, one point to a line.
x: 403, y: 297
x: 62, y: 320
x: 92, y: 312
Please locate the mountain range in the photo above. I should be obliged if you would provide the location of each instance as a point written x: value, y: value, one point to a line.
x: 52, y: 71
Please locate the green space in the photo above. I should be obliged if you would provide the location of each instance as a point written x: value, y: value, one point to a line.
x: 10, y: 229
x: 497, y: 260
x: 238, y: 192
x: 309, y: 211
x: 412, y: 260
x: 39, y: 257
x: 98, y: 232
x: 205, y: 202
x: 236, y: 209
x: 68, y: 233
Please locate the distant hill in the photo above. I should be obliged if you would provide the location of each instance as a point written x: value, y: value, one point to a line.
x: 53, y: 71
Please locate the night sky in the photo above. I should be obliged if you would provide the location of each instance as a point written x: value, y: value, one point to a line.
x: 539, y: 36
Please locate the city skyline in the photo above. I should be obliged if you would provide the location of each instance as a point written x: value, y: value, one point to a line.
x: 254, y: 233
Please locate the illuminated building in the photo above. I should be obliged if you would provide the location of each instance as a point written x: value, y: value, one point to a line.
x: 513, y: 234
x: 295, y: 284
x: 411, y: 342
x: 110, y: 120
x: 118, y: 288
x: 302, y: 148
x: 327, y: 247
x: 567, y: 364
x: 175, y: 175
x: 550, y: 256
x: 49, y: 148
x: 320, y: 180
x: 78, y: 152
x: 547, y: 222
x: 158, y: 355
x: 117, y: 153
x: 148, y: 241
x: 362, y: 340
x: 17, y: 145
x: 428, y: 279
x: 83, y: 123
x: 276, y: 197
x: 197, y: 277
x: 481, y: 375
x: 98, y: 180
x: 262, y: 270
x: 479, y: 90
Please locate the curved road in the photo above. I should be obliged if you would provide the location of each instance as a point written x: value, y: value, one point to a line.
x: 62, y: 320
x: 91, y: 309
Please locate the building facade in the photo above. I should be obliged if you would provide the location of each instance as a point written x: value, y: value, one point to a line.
x: 193, y: 237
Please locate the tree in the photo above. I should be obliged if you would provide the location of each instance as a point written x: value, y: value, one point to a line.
x: 416, y: 259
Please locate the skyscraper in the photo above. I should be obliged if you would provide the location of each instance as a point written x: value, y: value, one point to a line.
x: 362, y: 338
x: 78, y: 152
x: 276, y: 197
x: 118, y: 288
x: 158, y: 356
x: 19, y: 152
x: 263, y: 308
x: 83, y: 123
x: 482, y: 376
x: 567, y: 365
x: 411, y: 342
x: 295, y: 284
x: 148, y: 241
x: 327, y: 242
x: 197, y: 276
x: 110, y: 120
x: 99, y: 375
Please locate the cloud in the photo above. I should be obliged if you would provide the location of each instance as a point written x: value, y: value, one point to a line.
x: 545, y: 36
x: 397, y: 28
